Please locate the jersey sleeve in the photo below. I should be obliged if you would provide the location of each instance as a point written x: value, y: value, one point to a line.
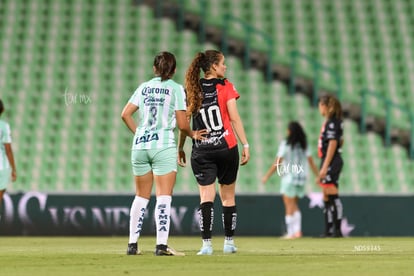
x: 136, y: 97
x: 6, y: 135
x: 308, y: 152
x: 333, y: 131
x: 231, y: 90
x: 180, y: 98
x: 282, y: 149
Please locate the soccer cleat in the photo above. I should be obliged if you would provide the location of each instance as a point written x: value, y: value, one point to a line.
x: 229, y: 247
x: 133, y: 249
x: 297, y: 235
x: 326, y: 235
x: 164, y: 250
x: 206, y: 250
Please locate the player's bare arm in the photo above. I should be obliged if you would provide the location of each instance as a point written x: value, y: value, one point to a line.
x: 239, y: 129
x: 10, y: 157
x: 126, y: 116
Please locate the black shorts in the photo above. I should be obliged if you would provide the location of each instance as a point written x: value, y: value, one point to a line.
x: 334, y: 171
x: 221, y: 164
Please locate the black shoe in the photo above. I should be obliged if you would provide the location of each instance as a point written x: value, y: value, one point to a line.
x: 338, y: 234
x: 133, y: 249
x: 326, y: 235
x: 164, y: 250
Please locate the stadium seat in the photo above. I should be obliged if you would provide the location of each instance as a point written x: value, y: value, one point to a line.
x: 99, y: 51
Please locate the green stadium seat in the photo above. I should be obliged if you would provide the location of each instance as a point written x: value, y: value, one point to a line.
x: 104, y: 50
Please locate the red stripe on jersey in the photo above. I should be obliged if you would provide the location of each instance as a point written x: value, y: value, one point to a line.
x: 320, y: 154
x: 225, y: 93
x: 327, y: 185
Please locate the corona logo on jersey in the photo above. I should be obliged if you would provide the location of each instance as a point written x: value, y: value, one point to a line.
x: 150, y: 94
x: 155, y: 90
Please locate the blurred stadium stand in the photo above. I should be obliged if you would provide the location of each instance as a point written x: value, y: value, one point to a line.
x: 68, y: 68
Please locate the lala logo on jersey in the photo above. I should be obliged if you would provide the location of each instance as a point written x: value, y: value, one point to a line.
x: 147, y: 137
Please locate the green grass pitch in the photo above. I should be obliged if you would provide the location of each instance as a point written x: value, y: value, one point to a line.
x: 32, y: 256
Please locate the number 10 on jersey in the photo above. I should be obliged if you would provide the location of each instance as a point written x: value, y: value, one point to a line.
x: 212, y: 118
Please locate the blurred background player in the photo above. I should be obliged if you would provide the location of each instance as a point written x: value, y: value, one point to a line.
x: 329, y: 150
x: 161, y: 105
x: 212, y: 105
x: 291, y: 164
x: 7, y: 166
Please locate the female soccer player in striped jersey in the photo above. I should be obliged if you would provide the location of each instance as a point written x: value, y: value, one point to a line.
x: 329, y: 150
x: 7, y: 165
x: 161, y: 105
x: 212, y: 105
x: 291, y: 163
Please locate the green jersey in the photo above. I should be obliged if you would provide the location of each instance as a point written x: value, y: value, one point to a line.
x: 157, y: 102
x: 5, y: 138
x: 294, y: 167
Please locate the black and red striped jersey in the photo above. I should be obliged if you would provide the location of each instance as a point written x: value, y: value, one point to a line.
x: 332, y: 129
x: 214, y: 116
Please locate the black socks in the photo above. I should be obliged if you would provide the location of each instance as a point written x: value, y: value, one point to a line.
x: 337, y: 211
x: 206, y: 212
x: 229, y: 218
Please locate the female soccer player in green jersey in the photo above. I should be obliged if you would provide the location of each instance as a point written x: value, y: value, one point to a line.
x: 161, y: 105
x: 7, y: 165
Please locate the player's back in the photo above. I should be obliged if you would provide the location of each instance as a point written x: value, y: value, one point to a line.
x: 295, y: 161
x: 157, y: 102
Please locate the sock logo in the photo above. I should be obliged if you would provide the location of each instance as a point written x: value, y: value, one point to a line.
x: 163, y: 218
x: 200, y: 221
x: 212, y: 219
x: 140, y: 221
x: 233, y: 221
x: 202, y: 218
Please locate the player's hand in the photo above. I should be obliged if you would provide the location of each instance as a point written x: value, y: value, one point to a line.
x: 199, y: 134
x: 245, y: 156
x: 13, y: 176
x: 264, y: 180
x: 322, y: 173
x: 181, y: 158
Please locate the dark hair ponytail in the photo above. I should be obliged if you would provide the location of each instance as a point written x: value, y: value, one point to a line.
x: 165, y: 65
x: 297, y: 135
x: 202, y: 61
